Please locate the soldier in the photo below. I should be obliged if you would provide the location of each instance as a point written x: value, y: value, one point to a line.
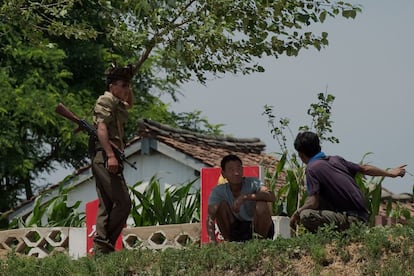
x: 110, y: 115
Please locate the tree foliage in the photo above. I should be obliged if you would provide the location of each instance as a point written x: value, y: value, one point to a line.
x: 187, y: 39
x: 56, y: 51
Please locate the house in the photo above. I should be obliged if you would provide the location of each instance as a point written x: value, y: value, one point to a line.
x: 174, y: 156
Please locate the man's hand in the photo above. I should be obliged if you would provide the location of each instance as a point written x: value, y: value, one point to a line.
x: 263, y: 195
x: 239, y: 202
x: 398, y: 171
x: 375, y: 171
x: 112, y: 164
x: 294, y: 220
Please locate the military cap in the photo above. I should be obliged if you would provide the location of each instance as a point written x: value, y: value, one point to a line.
x: 115, y: 73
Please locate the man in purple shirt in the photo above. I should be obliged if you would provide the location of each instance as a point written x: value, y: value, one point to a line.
x: 333, y: 195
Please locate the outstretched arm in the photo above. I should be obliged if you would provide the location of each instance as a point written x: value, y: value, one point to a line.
x: 374, y: 171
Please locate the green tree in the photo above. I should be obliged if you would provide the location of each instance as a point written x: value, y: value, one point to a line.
x: 35, y: 74
x: 56, y: 52
x: 31, y: 77
x: 187, y: 39
x: 42, y: 64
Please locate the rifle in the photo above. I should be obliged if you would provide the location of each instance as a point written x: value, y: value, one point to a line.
x: 63, y: 111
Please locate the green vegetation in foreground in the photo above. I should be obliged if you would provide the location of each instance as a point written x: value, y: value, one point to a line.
x: 358, y: 251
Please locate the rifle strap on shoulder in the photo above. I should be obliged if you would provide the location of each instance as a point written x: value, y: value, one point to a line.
x: 121, y: 134
x: 91, y: 146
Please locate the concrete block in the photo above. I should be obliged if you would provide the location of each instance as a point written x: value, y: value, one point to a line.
x: 38, y: 252
x: 282, y: 227
x: 57, y: 237
x: 77, y: 242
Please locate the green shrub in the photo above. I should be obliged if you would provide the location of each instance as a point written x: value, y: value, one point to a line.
x: 176, y: 205
x: 55, y: 212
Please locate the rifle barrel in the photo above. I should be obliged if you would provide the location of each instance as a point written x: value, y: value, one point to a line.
x: 62, y: 110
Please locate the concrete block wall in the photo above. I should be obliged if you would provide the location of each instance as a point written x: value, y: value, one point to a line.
x: 42, y: 242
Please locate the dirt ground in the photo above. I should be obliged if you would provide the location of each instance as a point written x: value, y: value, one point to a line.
x: 306, y: 264
x: 335, y: 264
x: 3, y: 253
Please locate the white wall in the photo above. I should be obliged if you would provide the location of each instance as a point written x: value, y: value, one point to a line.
x: 84, y: 192
x: 168, y: 171
x: 169, y: 165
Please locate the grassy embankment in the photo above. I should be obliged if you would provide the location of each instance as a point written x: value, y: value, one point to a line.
x: 358, y: 251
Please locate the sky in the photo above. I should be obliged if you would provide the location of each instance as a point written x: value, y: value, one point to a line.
x: 368, y: 67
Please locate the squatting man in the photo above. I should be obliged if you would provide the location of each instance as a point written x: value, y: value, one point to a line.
x: 240, y: 206
x: 333, y: 195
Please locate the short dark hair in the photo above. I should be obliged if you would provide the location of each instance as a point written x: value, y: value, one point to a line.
x: 228, y: 158
x: 116, y: 73
x: 308, y: 143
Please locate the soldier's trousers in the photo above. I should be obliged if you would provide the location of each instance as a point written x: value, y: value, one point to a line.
x: 114, y: 201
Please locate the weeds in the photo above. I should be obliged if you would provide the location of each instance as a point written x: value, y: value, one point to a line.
x: 357, y: 251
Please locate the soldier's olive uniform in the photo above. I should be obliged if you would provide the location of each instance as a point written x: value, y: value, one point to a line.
x: 114, y: 201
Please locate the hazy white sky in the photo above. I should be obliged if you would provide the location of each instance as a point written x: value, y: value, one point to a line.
x: 368, y: 67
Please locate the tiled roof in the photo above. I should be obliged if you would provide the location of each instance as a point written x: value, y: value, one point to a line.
x: 206, y: 148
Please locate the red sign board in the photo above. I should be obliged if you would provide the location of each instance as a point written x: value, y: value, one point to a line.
x: 210, y: 177
x: 91, y: 212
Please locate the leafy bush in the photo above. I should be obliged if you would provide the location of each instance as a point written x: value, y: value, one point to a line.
x: 175, y: 205
x: 55, y: 212
x: 152, y: 207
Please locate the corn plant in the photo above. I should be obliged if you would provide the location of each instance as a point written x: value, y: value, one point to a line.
x: 399, y: 211
x: 175, y: 205
x: 371, y: 189
x: 293, y: 194
x: 58, y: 212
x: 290, y: 196
x: 53, y: 213
x: 278, y: 207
